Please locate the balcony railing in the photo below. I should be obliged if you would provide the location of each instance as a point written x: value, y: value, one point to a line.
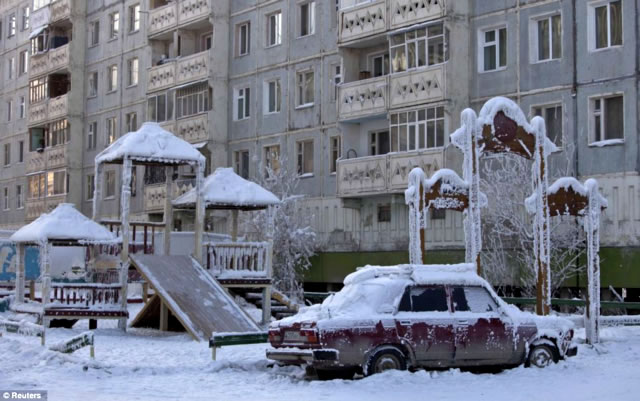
x: 35, y: 207
x: 56, y: 156
x: 376, y: 96
x: 87, y: 295
x: 48, y: 158
x: 58, y: 58
x: 34, y: 162
x: 193, y: 129
x: 57, y: 107
x: 155, y: 194
x: 48, y: 110
x: 374, y: 175
x: 175, y: 14
x: 380, y: 16
x: 60, y: 9
x: 239, y: 260
x: 180, y: 71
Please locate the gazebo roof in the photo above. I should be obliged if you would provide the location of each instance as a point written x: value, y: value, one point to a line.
x: 63, y: 224
x: 224, y: 189
x: 148, y: 145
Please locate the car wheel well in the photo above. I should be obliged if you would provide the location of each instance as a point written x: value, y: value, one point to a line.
x: 399, y: 348
x: 546, y: 341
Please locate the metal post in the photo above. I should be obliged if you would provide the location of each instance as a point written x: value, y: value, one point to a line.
x: 125, y: 201
x: 471, y: 174
x: 199, y: 228
x: 541, y: 221
x: 97, y: 191
x: 168, y: 210
x: 20, y: 273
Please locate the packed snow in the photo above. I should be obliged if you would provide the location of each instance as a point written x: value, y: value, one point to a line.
x: 226, y: 188
x: 63, y: 223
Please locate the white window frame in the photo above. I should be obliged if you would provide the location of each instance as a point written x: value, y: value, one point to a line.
x: 107, y: 174
x: 301, y: 89
x: 301, y: 158
x: 336, y: 70
x: 133, y: 72
x: 23, y: 58
x: 112, y: 78
x: 243, y: 94
x: 371, y: 62
x: 134, y: 18
x: 26, y: 14
x: 19, y: 197
x: 130, y: 119
x: 94, y: 33
x: 240, y: 39
x: 114, y: 25
x: 310, y: 17
x: 496, y: 42
x: 12, y: 25
x: 92, y: 135
x: 534, y: 30
x: 276, y: 84
x: 11, y: 67
x: 238, y: 162
x: 602, y: 114
x: 9, y: 110
x: 411, y: 37
x: 335, y: 153
x: 91, y: 186
x: 277, y: 40
x: 591, y: 25
x: 549, y: 105
x: 6, y: 199
x: 93, y: 84
x: 22, y: 107
x: 7, y: 155
x: 56, y: 173
x: 111, y: 130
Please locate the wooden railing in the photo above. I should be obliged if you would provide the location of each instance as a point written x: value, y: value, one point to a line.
x: 239, y: 259
x: 145, y: 228
x: 101, y: 296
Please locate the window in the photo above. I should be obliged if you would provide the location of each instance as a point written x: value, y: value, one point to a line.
x: 93, y: 84
x: 305, y: 157
x: 274, y: 29
x: 242, y: 103
x: 272, y: 159
x: 92, y: 135
x: 493, y: 49
x: 417, y: 48
x: 40, y: 43
x: 36, y: 139
x: 19, y: 197
x: 111, y: 130
x: 273, y: 94
x: 438, y: 214
x: 384, y: 213
x: 243, y: 38
x: 607, y: 118
x: 36, y: 186
x: 337, y: 80
x: 131, y: 120
x: 417, y: 129
x: 380, y: 64
x: 132, y: 72
x: 23, y: 107
x: 7, y: 154
x: 207, y: 41
x: 424, y: 299
x: 6, y: 198
x: 91, y: 186
x: 242, y: 163
x: 193, y: 100
x: 9, y: 109
x: 307, y: 18
x: 134, y: 18
x: 160, y: 107
x: 549, y: 38
x: 379, y: 143
x: 109, y: 184
x: 12, y: 25
x: 38, y: 4
x: 552, y: 115
x: 56, y: 183
x: 58, y: 133
x: 336, y: 152
x: 23, y: 60
x: 112, y: 78
x: 11, y: 67
x: 38, y: 90
x: 606, y: 20
x: 305, y: 84
x: 473, y: 299
x: 20, y: 151
x: 26, y: 12
x: 114, y: 25
x: 94, y: 33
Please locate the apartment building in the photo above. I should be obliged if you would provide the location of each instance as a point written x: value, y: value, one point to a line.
x: 351, y: 94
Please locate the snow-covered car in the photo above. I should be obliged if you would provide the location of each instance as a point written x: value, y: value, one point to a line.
x: 416, y: 316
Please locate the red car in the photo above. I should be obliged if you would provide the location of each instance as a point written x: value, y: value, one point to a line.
x: 416, y: 316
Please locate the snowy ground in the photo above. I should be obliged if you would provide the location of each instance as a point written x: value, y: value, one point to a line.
x: 148, y: 365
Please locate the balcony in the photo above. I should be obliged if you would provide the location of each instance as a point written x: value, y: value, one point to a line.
x: 371, y: 19
x: 375, y: 96
x: 161, y: 76
x: 193, y: 129
x: 376, y: 175
x: 155, y: 194
x: 48, y: 158
x: 53, y: 60
x: 34, y: 162
x: 60, y: 10
x: 177, y: 14
x: 35, y: 207
x: 48, y: 110
x: 180, y: 71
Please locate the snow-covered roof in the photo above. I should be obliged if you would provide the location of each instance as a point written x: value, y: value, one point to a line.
x: 225, y: 188
x: 63, y: 223
x: 566, y: 183
x: 461, y: 273
x: 151, y: 143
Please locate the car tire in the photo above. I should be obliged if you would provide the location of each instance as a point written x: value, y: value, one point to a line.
x: 389, y: 358
x: 344, y: 374
x: 541, y: 356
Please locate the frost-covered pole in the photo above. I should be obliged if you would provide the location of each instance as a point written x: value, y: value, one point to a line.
x: 592, y: 228
x: 414, y: 198
x: 199, y: 228
x: 266, y: 291
x: 541, y: 232
x: 20, y: 273
x: 125, y: 201
x: 168, y: 209
x: 97, y: 191
x: 471, y: 174
x: 45, y: 264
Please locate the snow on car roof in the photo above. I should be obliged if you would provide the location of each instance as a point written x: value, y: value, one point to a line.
x: 461, y: 273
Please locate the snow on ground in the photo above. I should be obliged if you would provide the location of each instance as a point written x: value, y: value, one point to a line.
x: 149, y: 365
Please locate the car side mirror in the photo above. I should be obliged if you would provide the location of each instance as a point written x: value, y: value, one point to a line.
x: 386, y: 309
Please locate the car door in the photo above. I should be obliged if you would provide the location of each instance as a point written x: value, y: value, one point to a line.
x: 425, y: 322
x: 483, y: 335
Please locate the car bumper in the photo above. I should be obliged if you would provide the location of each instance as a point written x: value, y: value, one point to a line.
x: 296, y: 356
x: 571, y: 351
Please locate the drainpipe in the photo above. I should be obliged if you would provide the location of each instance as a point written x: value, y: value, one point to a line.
x: 574, y: 88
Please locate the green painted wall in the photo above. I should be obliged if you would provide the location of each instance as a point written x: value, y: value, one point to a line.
x: 620, y: 267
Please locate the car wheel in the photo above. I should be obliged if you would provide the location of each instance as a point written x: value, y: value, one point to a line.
x: 542, y: 356
x: 386, y: 359
x: 344, y: 374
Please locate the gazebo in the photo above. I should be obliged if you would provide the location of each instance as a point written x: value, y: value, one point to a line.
x: 151, y: 145
x: 237, y: 264
x: 67, y: 227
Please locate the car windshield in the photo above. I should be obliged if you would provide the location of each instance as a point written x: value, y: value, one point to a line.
x: 365, y: 298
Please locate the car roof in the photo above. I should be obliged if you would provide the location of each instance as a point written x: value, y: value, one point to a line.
x: 453, y: 274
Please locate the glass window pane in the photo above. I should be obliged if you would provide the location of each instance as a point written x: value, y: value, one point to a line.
x: 489, y: 58
x: 435, y: 29
x: 411, y: 54
x: 433, y: 299
x: 402, y: 137
x: 543, y: 39
x: 412, y: 137
x: 614, y: 118
x: 439, y: 133
x: 383, y: 142
x: 398, y: 59
x: 436, y: 50
x: 503, y: 47
x: 601, y: 27
x: 479, y: 301
x: 394, y: 139
x: 431, y: 134
x: 422, y: 56
x: 489, y: 36
x: 421, y: 136
x: 615, y: 22
x: 556, y: 36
